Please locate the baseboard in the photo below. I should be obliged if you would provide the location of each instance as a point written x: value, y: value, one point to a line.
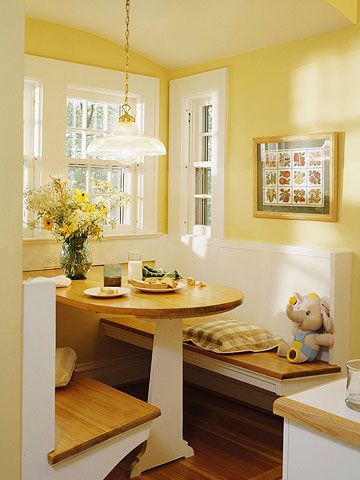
x: 122, y: 370
x: 135, y: 368
x: 229, y: 387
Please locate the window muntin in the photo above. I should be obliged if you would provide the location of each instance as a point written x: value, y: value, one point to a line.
x: 200, y: 165
x: 80, y: 176
x: 87, y: 119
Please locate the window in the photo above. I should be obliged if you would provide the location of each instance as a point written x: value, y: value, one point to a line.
x: 79, y: 103
x: 199, y: 168
x: 32, y: 132
x: 198, y: 114
x: 87, y: 118
x: 198, y: 106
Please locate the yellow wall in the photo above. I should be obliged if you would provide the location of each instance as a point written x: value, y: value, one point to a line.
x: 311, y: 85
x: 56, y: 41
x: 11, y: 87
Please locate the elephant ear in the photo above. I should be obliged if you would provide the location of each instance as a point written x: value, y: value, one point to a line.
x: 299, y: 299
x: 325, y: 313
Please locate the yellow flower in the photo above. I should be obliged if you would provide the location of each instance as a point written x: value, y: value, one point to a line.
x: 103, y: 212
x: 97, y: 231
x: 47, y: 223
x: 68, y: 229
x: 80, y: 197
x: 88, y: 207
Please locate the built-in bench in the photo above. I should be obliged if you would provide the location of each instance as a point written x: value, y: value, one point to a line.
x: 264, y: 370
x: 88, y: 412
x: 75, y: 432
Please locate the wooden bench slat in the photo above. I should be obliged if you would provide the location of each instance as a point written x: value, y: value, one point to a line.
x: 266, y: 363
x: 89, y: 412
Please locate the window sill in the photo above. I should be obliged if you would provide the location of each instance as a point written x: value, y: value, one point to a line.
x: 105, y: 238
x: 196, y: 239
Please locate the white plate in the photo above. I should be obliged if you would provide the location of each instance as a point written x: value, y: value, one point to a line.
x: 95, y: 292
x: 160, y: 290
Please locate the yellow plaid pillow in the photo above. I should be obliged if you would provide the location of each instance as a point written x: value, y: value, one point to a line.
x: 230, y: 336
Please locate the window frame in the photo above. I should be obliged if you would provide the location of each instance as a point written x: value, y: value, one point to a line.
x: 32, y: 140
x: 58, y: 78
x: 183, y: 91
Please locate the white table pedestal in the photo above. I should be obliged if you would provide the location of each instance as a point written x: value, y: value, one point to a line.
x: 166, y: 441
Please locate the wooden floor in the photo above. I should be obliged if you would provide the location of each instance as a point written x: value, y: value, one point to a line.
x: 231, y: 442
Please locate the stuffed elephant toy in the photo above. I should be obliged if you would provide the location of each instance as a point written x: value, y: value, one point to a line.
x: 312, y: 328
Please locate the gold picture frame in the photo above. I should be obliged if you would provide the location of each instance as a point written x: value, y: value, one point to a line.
x: 295, y: 177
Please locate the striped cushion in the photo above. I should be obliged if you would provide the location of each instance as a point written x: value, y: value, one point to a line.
x: 230, y: 336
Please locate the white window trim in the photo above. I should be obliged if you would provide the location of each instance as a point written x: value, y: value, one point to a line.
x: 32, y: 133
x: 56, y: 78
x: 214, y: 84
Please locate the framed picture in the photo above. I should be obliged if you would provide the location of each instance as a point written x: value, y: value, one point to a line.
x: 295, y: 177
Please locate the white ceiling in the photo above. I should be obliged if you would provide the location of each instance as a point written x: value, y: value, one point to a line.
x: 177, y: 33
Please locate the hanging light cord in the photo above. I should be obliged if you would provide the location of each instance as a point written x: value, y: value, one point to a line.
x: 127, y: 35
x: 126, y: 117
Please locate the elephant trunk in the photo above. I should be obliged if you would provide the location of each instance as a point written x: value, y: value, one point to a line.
x: 295, y: 316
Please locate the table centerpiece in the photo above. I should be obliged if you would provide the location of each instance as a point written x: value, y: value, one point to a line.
x: 73, y: 216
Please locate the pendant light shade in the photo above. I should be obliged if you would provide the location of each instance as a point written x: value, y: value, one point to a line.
x: 126, y: 143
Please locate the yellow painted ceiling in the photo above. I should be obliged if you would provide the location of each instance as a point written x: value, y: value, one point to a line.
x: 179, y: 33
x: 349, y: 8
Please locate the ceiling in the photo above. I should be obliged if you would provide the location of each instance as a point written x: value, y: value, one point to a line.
x: 179, y: 33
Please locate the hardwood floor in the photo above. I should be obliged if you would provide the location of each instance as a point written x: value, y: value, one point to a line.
x: 231, y: 442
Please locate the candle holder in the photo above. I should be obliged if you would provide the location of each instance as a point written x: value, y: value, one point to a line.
x: 134, y: 265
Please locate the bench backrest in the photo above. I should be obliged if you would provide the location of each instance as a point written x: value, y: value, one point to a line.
x: 268, y: 275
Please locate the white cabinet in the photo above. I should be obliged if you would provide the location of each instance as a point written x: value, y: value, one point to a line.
x: 321, y: 435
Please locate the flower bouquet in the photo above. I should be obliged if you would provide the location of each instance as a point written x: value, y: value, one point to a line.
x: 73, y: 216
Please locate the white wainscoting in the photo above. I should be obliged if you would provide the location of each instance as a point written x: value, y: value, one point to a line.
x: 44, y: 254
x: 268, y: 275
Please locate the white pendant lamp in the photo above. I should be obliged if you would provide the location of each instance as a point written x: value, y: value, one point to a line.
x: 125, y: 143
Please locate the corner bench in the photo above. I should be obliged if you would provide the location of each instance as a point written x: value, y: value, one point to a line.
x: 81, y: 431
x: 264, y: 370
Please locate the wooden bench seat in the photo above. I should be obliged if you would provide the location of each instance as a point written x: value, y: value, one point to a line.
x: 89, y: 412
x: 264, y: 365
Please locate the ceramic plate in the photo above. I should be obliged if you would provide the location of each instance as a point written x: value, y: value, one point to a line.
x: 95, y: 292
x: 160, y: 290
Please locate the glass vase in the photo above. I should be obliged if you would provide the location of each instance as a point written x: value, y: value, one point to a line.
x: 75, y: 257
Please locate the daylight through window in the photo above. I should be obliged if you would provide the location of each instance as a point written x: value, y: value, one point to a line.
x: 87, y: 119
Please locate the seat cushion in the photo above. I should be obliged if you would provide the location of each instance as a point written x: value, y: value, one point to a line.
x: 65, y: 364
x: 230, y: 336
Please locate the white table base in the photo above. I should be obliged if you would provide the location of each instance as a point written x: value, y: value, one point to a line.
x: 166, y: 441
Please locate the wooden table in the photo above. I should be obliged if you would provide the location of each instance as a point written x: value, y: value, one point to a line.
x: 166, y: 310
